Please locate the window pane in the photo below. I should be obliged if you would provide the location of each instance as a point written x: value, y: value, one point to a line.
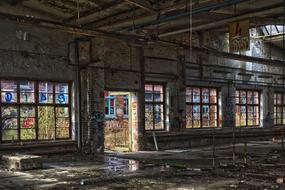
x: 249, y: 97
x: 62, y: 133
x: 46, y: 87
x: 205, y: 116
x: 237, y: 97
x: 148, y: 117
x: 213, y: 96
x: 9, y: 135
x: 159, y: 117
x: 28, y: 131
x: 238, y: 114
x: 61, y: 98
x: 27, y: 89
x: 61, y: 88
x: 10, y: 86
x: 148, y: 97
x: 62, y: 128
x: 62, y: 112
x: 9, y: 112
x: 189, y: 117
x: 45, y: 98
x: 148, y: 88
x: 46, y: 122
x: 28, y: 134
x: 158, y: 93
x: 189, y: 95
x: 205, y: 95
x: 196, y: 95
x: 256, y: 97
x: 45, y: 92
x: 9, y: 97
x: 9, y: 123
x: 28, y: 123
x: 242, y: 97
x: 27, y: 111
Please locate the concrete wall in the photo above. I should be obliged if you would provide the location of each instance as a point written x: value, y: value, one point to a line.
x: 44, y: 56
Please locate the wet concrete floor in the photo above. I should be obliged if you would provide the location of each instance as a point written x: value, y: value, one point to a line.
x: 195, y: 169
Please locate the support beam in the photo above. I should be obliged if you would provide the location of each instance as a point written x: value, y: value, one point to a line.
x: 14, y: 2
x: 183, y: 13
x: 44, y: 9
x: 69, y: 28
x: 142, y: 4
x: 227, y: 55
x: 223, y: 22
x: 88, y: 16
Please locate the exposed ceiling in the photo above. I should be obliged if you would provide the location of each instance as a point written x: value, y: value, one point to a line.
x: 155, y: 18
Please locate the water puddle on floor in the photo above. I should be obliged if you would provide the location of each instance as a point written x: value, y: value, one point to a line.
x: 124, y: 165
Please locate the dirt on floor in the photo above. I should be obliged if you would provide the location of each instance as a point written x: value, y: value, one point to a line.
x: 259, y: 166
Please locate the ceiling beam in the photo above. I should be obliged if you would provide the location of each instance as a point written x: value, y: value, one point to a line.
x: 68, y: 28
x: 142, y: 4
x: 14, y: 2
x: 90, y: 15
x: 227, y: 55
x: 223, y: 22
x: 44, y: 9
x: 196, y: 8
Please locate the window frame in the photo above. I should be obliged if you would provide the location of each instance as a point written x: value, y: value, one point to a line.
x: 18, y: 104
x: 246, y: 106
x: 126, y: 98
x: 282, y: 106
x: 153, y: 103
x: 201, y: 104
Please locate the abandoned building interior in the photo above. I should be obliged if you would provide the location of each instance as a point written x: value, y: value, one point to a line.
x: 142, y: 94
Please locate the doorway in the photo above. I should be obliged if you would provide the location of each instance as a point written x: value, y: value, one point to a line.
x: 120, y: 120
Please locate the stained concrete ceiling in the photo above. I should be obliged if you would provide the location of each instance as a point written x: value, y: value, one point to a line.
x: 160, y: 18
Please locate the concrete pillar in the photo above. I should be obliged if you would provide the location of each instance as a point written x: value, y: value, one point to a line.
x: 228, y: 105
x: 95, y: 108
x: 180, y: 117
x: 267, y: 107
x: 141, y: 101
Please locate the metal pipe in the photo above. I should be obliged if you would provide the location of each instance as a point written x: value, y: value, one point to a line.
x: 222, y: 22
x: 166, y: 17
x: 214, y: 66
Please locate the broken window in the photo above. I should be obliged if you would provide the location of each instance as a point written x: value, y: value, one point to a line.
x: 279, y: 109
x: 201, y: 107
x: 115, y: 104
x: 247, y: 108
x: 154, y: 107
x: 30, y: 114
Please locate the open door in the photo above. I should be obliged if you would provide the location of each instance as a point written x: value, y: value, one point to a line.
x: 119, y: 122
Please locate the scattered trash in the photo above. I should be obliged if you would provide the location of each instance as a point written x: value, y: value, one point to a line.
x: 233, y: 186
x: 83, y: 182
x: 280, y: 180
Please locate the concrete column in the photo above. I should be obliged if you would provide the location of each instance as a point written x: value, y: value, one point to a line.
x: 141, y: 101
x: 95, y: 108
x: 267, y: 107
x: 228, y: 105
x: 180, y: 117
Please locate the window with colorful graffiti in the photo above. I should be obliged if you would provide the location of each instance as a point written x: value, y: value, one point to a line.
x: 202, y: 108
x: 34, y: 110
x: 116, y: 104
x: 247, y: 108
x: 154, y: 107
x: 279, y: 108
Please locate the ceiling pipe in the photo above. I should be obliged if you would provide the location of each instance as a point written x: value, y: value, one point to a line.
x: 129, y: 38
x: 216, y: 24
x: 166, y: 18
x: 227, y: 55
x: 68, y: 28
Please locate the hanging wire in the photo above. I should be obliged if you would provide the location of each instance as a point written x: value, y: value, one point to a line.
x: 283, y: 44
x: 190, y: 25
x: 78, y: 13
